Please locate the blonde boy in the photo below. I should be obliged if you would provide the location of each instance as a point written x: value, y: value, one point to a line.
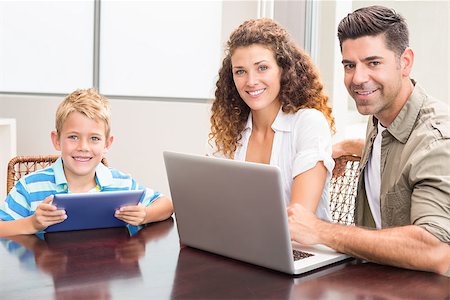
x: 83, y: 137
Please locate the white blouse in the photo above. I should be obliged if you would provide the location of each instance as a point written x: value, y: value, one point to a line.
x: 301, y: 140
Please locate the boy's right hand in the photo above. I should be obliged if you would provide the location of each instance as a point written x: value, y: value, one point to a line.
x: 47, y: 214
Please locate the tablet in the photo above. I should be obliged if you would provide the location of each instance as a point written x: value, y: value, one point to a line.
x: 93, y: 210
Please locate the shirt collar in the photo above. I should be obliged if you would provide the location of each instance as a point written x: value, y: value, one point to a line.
x: 60, y: 178
x: 249, y: 124
x: 102, y: 173
x: 104, y: 176
x: 403, y: 124
x: 282, y: 122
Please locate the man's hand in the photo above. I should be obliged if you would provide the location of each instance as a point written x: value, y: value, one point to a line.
x: 303, y: 225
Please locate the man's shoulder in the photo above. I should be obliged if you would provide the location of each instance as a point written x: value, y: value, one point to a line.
x: 435, y: 105
x: 434, y: 119
x: 441, y: 127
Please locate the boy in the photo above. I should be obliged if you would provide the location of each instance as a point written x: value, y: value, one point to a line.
x: 83, y: 137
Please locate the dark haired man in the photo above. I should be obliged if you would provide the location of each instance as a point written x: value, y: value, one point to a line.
x: 403, y: 202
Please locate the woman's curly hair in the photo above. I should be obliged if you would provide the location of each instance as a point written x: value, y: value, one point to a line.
x: 300, y: 85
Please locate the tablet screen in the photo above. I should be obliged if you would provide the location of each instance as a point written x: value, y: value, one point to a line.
x: 92, y: 210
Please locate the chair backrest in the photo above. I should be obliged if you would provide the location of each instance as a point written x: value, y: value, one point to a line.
x: 343, y: 189
x: 20, y: 166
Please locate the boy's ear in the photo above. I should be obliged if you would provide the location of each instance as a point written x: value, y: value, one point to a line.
x: 55, y: 140
x: 108, y: 143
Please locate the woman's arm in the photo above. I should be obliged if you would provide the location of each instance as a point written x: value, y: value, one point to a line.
x: 308, y: 186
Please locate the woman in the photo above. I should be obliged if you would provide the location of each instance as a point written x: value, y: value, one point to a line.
x: 270, y: 108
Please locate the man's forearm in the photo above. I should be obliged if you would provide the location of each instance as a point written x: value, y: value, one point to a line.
x: 408, y: 247
x: 348, y: 147
x: 357, y: 146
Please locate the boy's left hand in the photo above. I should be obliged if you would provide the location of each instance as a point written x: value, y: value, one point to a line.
x: 133, y: 215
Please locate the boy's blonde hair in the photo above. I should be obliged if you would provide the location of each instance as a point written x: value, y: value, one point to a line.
x: 87, y: 102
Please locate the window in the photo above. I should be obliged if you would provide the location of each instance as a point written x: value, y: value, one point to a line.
x: 46, y: 46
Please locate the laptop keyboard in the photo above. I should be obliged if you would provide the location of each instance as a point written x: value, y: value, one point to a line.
x: 300, y: 254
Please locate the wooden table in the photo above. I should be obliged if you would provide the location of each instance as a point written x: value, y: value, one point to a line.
x: 109, y: 264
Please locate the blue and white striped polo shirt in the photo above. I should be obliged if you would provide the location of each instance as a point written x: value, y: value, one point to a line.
x: 30, y: 190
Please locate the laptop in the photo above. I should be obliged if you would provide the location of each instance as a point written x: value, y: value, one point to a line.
x: 93, y: 210
x: 236, y: 209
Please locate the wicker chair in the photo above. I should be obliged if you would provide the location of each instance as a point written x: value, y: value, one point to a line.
x: 20, y: 166
x: 343, y: 189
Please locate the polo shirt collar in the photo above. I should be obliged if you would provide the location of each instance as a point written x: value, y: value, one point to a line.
x: 403, y: 124
x: 103, y: 175
x: 58, y: 169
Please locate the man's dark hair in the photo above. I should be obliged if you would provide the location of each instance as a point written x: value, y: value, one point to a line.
x: 375, y: 20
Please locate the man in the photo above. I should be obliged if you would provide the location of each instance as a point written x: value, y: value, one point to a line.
x: 403, y: 203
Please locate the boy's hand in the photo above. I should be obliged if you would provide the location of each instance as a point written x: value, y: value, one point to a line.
x: 47, y: 214
x: 134, y: 214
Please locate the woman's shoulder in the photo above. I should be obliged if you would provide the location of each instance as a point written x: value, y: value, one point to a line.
x: 309, y: 121
x: 309, y: 112
x: 308, y: 115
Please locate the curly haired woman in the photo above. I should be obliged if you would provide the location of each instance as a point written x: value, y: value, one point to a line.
x: 270, y: 108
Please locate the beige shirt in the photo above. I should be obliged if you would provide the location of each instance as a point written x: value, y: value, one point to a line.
x: 415, y: 168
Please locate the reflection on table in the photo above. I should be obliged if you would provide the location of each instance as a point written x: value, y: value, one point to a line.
x: 109, y: 263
